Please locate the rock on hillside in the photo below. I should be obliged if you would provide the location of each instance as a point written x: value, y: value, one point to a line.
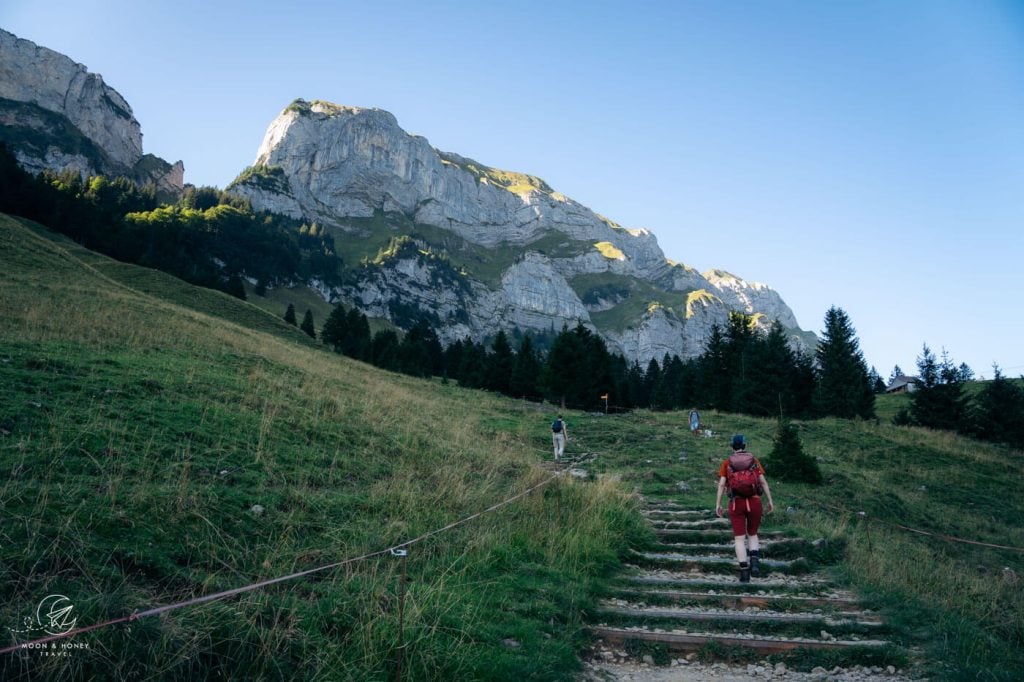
x: 509, y: 250
x: 56, y: 115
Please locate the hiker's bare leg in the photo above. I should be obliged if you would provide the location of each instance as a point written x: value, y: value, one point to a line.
x: 741, y: 548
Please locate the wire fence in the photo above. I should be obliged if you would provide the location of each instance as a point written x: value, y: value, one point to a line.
x: 217, y: 596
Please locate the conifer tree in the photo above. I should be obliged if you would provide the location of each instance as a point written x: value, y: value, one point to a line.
x: 844, y: 389
x: 999, y: 411
x: 938, y: 402
x: 652, y: 377
x: 740, y: 340
x: 499, y: 364
x: 307, y: 324
x: 289, y: 315
x: 384, y: 350
x: 787, y: 461
x: 525, y: 371
x: 714, y: 377
x: 578, y: 369
x: 769, y: 372
x: 333, y: 331
x: 634, y: 395
x: 877, y: 385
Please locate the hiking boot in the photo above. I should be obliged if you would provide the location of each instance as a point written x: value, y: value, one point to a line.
x: 755, y: 563
x: 744, y: 573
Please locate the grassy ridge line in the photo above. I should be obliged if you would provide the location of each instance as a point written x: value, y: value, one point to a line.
x: 140, y: 435
x: 162, y: 288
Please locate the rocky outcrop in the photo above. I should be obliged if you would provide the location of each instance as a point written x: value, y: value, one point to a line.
x: 751, y: 297
x: 58, y: 116
x: 343, y: 162
x: 352, y: 169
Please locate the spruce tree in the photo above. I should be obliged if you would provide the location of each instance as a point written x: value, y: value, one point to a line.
x: 787, y: 461
x: 499, y: 364
x: 770, y: 373
x: 289, y: 315
x: 652, y: 377
x: 384, y: 350
x: 877, y: 385
x: 843, y: 387
x: 999, y: 411
x: 525, y: 371
x: 307, y: 324
x: 938, y: 402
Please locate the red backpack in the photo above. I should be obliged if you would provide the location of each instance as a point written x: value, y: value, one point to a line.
x: 744, y: 475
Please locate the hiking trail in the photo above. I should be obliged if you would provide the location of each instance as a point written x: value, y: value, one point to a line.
x: 680, y: 613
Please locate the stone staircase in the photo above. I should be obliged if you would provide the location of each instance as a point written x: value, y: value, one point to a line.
x: 681, y: 601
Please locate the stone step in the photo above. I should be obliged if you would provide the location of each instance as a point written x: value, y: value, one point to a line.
x: 678, y: 513
x: 711, y: 536
x: 689, y: 642
x: 666, y: 504
x: 777, y: 602
x: 717, y: 564
x: 806, y: 585
x: 709, y: 523
x: 719, y: 615
x: 777, y: 549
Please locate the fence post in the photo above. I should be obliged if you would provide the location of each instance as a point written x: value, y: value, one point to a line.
x: 400, y: 653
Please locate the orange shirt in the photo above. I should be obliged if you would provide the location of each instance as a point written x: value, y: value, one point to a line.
x: 723, y: 471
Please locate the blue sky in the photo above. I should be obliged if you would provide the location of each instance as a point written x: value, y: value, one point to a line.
x: 868, y: 155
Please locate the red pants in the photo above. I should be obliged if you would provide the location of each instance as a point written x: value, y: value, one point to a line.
x: 745, y: 515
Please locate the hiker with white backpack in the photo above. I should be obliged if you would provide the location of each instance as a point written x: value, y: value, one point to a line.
x: 743, y: 476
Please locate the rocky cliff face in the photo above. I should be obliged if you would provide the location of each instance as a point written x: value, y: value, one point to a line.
x: 58, y: 116
x: 516, y: 252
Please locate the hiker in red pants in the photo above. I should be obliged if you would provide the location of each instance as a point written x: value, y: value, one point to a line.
x: 744, y: 477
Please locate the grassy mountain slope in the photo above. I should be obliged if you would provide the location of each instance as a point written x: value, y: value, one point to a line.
x: 153, y: 452
x: 141, y: 420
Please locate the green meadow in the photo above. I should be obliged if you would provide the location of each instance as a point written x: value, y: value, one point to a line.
x: 161, y: 442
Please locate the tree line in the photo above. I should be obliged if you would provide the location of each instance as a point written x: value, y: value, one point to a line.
x: 742, y: 370
x: 942, y: 400
x: 208, y: 237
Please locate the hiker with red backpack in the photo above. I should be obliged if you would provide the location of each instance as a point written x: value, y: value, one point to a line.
x: 743, y: 476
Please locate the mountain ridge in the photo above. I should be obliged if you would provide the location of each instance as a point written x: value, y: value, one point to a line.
x: 494, y: 249
x: 341, y: 165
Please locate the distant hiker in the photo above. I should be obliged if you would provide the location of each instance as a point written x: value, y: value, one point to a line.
x: 559, y: 436
x: 694, y: 421
x: 743, y: 475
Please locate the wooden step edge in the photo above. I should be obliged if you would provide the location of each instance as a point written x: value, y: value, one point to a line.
x: 715, y: 581
x: 827, y: 620
x: 759, y: 601
x: 679, y: 512
x: 688, y: 642
x: 675, y: 557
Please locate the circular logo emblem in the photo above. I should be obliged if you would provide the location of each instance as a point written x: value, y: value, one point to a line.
x: 55, y: 614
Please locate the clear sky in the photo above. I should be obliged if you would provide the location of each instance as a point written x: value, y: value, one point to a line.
x: 863, y: 154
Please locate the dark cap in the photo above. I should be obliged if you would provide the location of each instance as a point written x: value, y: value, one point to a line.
x: 739, y: 442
